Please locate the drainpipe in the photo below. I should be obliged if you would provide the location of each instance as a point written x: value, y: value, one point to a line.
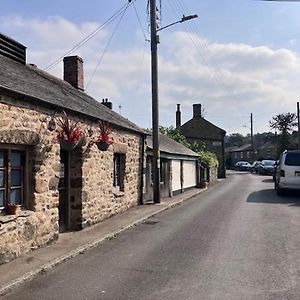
x: 141, y: 198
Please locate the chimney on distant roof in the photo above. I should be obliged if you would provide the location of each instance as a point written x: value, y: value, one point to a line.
x: 178, y: 117
x: 197, y: 111
x: 73, y: 71
x: 106, y: 103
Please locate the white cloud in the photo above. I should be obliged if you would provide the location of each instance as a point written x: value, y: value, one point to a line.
x: 230, y: 80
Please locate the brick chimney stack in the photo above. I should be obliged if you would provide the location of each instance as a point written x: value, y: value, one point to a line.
x: 73, y: 71
x: 178, y: 117
x: 197, y: 111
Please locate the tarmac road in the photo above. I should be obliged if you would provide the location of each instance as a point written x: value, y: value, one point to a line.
x: 238, y: 240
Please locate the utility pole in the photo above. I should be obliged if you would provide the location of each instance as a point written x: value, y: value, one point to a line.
x: 155, y: 116
x: 154, y: 81
x: 298, y: 117
x: 252, y: 146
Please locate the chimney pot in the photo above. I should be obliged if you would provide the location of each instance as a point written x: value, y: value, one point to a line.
x: 73, y: 71
x: 178, y: 117
x: 106, y: 103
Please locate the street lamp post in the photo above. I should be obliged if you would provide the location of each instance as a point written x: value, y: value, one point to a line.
x: 155, y: 110
x: 252, y: 144
x: 251, y: 137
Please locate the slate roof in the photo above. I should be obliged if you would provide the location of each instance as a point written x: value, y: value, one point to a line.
x: 238, y: 148
x: 202, y: 129
x: 168, y: 145
x: 46, y: 89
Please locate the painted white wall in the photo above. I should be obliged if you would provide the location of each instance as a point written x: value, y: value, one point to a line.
x: 176, y: 175
x: 189, y: 174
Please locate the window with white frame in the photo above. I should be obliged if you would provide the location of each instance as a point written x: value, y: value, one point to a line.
x: 12, y: 177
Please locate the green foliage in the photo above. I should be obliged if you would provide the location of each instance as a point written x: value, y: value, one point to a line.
x: 174, y: 134
x: 205, y: 156
x: 284, y: 123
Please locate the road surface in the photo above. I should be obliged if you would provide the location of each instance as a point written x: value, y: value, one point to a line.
x: 238, y: 240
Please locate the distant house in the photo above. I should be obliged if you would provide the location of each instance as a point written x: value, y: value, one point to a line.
x: 179, y: 169
x: 243, y: 153
x: 237, y: 153
x: 199, y: 130
x: 56, y: 189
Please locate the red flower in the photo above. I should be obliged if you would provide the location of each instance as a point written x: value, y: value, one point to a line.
x: 104, y: 133
x: 68, y: 130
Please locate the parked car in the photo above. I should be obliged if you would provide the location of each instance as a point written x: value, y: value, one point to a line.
x: 288, y: 171
x: 266, y: 167
x: 255, y: 166
x: 242, y: 166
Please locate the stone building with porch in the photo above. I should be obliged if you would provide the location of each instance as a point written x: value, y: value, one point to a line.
x: 58, y: 190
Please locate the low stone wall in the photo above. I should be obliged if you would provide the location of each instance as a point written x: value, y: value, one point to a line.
x: 23, y: 232
x: 213, y: 174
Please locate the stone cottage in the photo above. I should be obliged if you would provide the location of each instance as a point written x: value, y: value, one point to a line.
x: 200, y: 130
x: 57, y: 190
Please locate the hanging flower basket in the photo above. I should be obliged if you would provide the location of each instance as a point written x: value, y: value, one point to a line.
x: 104, y: 140
x: 70, y: 135
x: 103, y: 146
x: 66, y: 145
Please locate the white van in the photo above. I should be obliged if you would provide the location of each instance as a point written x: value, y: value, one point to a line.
x: 287, y: 174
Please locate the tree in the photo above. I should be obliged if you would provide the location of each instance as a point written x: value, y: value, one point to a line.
x: 284, y: 123
x: 235, y: 139
x: 174, y: 134
x: 206, y: 156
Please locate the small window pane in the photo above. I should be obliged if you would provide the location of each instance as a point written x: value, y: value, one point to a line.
x: 15, y: 196
x: 1, y: 178
x: 16, y: 178
x: 1, y: 159
x: 16, y: 159
x: 1, y: 198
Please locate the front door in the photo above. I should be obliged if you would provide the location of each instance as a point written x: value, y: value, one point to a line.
x: 64, y: 191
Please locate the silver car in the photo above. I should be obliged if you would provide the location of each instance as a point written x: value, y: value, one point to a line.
x: 287, y: 174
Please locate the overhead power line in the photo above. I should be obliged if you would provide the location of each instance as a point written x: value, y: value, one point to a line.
x: 201, y: 46
x: 92, y: 34
x: 106, y: 47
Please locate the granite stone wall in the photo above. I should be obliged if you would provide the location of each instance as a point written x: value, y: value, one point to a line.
x: 92, y: 197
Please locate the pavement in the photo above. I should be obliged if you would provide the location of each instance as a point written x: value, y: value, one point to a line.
x: 71, y: 244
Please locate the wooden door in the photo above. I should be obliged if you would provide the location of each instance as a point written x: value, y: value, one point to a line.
x: 64, y: 191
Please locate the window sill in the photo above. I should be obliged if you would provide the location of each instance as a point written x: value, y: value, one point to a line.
x: 117, y: 193
x: 5, y: 218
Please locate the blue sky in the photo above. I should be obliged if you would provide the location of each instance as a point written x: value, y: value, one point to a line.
x: 238, y: 57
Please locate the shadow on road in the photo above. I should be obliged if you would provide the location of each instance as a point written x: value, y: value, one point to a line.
x: 268, y: 180
x: 270, y: 196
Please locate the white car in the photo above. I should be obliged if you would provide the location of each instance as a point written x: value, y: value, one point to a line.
x: 287, y: 174
x: 242, y: 166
